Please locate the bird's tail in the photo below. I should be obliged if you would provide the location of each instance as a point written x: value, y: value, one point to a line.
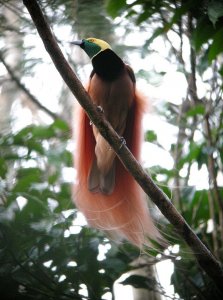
x: 124, y: 212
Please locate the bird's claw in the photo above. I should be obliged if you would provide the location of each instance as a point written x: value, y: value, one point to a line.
x: 100, y: 109
x: 123, y: 142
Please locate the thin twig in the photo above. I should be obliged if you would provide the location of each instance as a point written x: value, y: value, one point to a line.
x: 211, y: 164
x: 26, y: 91
x: 177, y: 155
x: 204, y: 257
x: 192, y: 80
x: 215, y: 229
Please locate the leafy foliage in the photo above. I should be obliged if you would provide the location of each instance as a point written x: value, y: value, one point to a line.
x: 44, y: 252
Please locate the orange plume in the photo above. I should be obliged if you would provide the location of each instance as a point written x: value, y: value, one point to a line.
x: 124, y: 212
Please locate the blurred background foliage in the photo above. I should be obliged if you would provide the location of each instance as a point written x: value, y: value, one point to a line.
x: 46, y: 251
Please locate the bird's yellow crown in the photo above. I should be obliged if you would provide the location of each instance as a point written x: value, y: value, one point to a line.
x: 102, y: 44
x: 93, y: 46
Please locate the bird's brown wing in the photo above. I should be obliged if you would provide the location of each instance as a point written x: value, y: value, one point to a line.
x: 115, y: 97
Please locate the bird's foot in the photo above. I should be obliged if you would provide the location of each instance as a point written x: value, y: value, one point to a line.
x: 100, y: 109
x: 123, y: 142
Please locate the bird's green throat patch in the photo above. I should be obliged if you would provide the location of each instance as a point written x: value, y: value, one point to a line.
x: 93, y: 46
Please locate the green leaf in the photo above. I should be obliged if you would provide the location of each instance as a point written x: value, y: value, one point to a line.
x: 202, y: 33
x: 195, y: 150
x: 217, y: 45
x: 8, y: 214
x: 199, y: 208
x: 144, y: 16
x: 114, y: 8
x: 159, y: 31
x: 138, y: 281
x: 221, y: 154
x: 150, y: 136
x: 215, y: 10
x: 203, y: 63
x: 60, y: 124
x: 34, y: 145
x: 28, y: 137
x: 44, y: 225
x: 3, y: 168
x: 198, y: 109
x: 42, y: 132
x: 53, y: 177
x: 59, y: 157
x: 26, y: 172
x: 23, y: 134
x: 26, y: 177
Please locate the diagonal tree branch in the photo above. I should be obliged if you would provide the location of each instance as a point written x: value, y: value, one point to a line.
x: 204, y: 257
x: 26, y: 91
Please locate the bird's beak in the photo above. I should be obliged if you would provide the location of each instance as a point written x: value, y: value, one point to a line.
x: 79, y: 42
